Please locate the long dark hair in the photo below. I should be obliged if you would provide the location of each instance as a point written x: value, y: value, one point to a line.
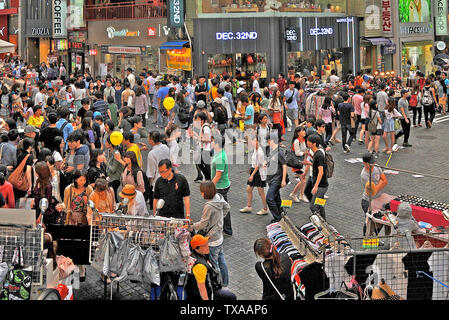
x: 264, y: 249
x: 44, y: 176
x: 327, y: 102
x: 298, y: 129
x: 134, y: 164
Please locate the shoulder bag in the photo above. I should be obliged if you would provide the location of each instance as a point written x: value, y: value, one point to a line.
x: 18, y: 177
x: 282, y: 296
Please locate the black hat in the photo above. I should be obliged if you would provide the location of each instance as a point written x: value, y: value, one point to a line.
x: 369, y: 158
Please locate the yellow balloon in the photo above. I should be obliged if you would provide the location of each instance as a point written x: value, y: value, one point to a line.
x: 116, y: 138
x: 169, y: 103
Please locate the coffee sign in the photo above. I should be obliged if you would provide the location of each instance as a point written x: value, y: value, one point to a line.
x: 59, y: 10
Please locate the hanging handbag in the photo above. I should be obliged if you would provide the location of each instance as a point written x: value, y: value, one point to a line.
x: 282, y: 296
x: 17, y: 284
x: 18, y: 177
x: 150, y: 270
x: 170, y: 259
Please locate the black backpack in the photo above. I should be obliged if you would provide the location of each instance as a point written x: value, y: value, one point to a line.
x: 148, y: 186
x: 184, y: 113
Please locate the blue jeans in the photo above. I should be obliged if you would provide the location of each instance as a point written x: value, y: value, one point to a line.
x: 217, y: 259
x: 274, y: 199
x: 161, y: 120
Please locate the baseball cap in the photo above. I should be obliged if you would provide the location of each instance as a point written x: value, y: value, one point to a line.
x: 242, y: 83
x: 403, y: 91
x: 368, y: 158
x: 240, y: 90
x: 198, y: 240
x: 218, y: 100
x: 30, y: 128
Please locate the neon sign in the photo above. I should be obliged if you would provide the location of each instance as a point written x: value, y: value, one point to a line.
x: 244, y: 35
x: 321, y: 31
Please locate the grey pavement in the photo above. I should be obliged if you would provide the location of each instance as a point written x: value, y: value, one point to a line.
x: 428, y: 155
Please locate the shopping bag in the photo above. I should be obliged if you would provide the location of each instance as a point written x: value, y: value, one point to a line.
x: 132, y: 266
x: 170, y: 259
x: 118, y: 257
x: 25, y: 203
x: 101, y: 258
x: 241, y: 125
x: 150, y: 270
x: 397, y: 124
x: 17, y: 283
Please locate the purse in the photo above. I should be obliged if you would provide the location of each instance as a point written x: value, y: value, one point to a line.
x: 18, y: 177
x: 282, y: 296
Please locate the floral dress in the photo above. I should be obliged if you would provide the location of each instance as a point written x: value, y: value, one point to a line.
x: 78, y: 207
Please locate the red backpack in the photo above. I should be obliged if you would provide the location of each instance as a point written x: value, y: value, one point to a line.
x: 413, y: 102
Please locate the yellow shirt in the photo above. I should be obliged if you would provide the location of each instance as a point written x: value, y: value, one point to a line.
x: 35, y: 121
x: 213, y: 93
x: 135, y: 148
x: 200, y: 273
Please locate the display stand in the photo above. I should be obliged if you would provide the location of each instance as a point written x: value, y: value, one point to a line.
x: 146, y: 231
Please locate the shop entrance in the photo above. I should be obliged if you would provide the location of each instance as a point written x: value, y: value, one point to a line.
x: 116, y: 64
x: 419, y: 54
x: 316, y: 63
x: 242, y: 66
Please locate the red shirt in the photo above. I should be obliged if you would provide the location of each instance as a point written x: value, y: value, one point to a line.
x: 282, y: 84
x: 8, y: 194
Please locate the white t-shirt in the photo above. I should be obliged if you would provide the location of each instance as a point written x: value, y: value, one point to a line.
x: 40, y: 99
x: 206, y: 134
x: 258, y: 159
x: 438, y: 263
x: 391, y: 268
x: 140, y: 207
x: 256, y: 86
x: 57, y: 156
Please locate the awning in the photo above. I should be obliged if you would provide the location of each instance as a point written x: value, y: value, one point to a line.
x: 379, y: 41
x: 172, y: 45
x: 6, y: 46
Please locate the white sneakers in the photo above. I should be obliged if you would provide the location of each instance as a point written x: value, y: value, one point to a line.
x: 262, y: 212
x: 303, y: 198
x: 294, y: 197
x: 395, y: 147
x: 246, y: 210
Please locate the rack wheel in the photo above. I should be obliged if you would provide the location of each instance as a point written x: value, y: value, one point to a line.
x: 49, y: 294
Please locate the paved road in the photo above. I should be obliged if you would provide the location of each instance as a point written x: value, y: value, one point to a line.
x: 428, y: 155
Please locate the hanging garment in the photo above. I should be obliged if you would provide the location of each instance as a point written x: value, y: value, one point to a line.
x: 439, y: 265
x: 419, y: 287
x: 390, y: 268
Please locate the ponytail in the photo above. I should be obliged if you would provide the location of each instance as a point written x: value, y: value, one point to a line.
x: 264, y: 249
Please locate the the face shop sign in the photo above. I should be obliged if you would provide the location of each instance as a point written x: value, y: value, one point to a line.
x: 410, y: 30
x: 40, y: 31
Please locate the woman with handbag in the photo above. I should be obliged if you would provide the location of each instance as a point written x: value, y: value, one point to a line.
x: 274, y: 271
x: 76, y: 196
x: 21, y: 178
x: 211, y: 226
x: 103, y: 198
x: 43, y: 189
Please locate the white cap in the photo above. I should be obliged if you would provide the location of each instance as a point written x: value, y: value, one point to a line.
x: 240, y: 90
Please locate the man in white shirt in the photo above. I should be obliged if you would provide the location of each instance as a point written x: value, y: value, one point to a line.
x: 333, y: 78
x: 151, y: 81
x: 256, y: 86
x: 131, y: 78
x: 41, y: 98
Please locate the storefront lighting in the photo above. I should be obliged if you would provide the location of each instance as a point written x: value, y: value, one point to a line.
x: 376, y: 73
x: 382, y: 74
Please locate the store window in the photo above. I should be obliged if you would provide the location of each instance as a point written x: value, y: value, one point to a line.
x: 315, y: 63
x: 116, y: 64
x: 254, y: 6
x: 416, y: 56
x: 240, y: 65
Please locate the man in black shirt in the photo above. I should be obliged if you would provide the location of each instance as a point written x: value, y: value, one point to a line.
x: 316, y: 186
x: 277, y: 177
x: 85, y: 106
x: 320, y: 127
x: 48, y: 134
x: 345, y: 112
x: 174, y: 189
x: 201, y: 90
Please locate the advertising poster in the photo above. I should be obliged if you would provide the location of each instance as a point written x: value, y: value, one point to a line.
x: 411, y: 11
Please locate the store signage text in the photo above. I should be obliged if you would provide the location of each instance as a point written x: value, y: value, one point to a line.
x: 291, y: 34
x: 441, y: 18
x: 176, y: 13
x: 125, y: 50
x: 40, y: 31
x: 321, y: 31
x: 245, y: 35
x: 386, y: 17
x: 151, y: 32
x: 112, y: 33
x: 2, y: 30
x: 414, y: 29
x: 345, y: 20
x: 93, y: 52
x: 59, y: 18
x: 76, y: 45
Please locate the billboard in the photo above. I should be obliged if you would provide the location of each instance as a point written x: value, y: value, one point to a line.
x: 411, y: 11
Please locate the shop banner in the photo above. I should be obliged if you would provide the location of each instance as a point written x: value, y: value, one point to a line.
x: 179, y: 59
x: 441, y: 17
x: 59, y: 12
x: 387, y: 22
x: 175, y: 13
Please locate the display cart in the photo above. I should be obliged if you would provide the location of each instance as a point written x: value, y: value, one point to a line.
x: 146, y: 231
x: 31, y: 83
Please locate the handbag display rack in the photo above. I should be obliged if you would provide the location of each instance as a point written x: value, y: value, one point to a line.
x: 145, y: 231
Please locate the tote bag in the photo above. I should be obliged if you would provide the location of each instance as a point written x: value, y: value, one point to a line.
x: 17, y: 178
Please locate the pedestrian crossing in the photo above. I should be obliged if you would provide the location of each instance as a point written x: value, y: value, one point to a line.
x: 439, y: 118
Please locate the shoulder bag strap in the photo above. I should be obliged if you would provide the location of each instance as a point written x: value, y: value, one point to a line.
x: 269, y: 279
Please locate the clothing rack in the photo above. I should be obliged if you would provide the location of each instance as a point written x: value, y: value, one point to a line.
x: 145, y: 231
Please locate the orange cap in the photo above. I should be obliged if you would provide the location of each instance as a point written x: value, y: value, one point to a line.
x: 198, y: 240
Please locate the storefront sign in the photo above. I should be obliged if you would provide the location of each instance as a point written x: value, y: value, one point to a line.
x: 93, y: 52
x: 61, y: 44
x: 76, y: 45
x: 441, y: 45
x: 59, y: 11
x: 389, y: 49
x: 40, y: 31
x: 441, y: 17
x: 291, y: 34
x: 151, y: 32
x: 112, y: 33
x: 415, y: 29
x: 387, y: 25
x: 123, y: 50
x: 176, y: 13
x: 321, y: 31
x: 245, y: 35
x: 179, y: 59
